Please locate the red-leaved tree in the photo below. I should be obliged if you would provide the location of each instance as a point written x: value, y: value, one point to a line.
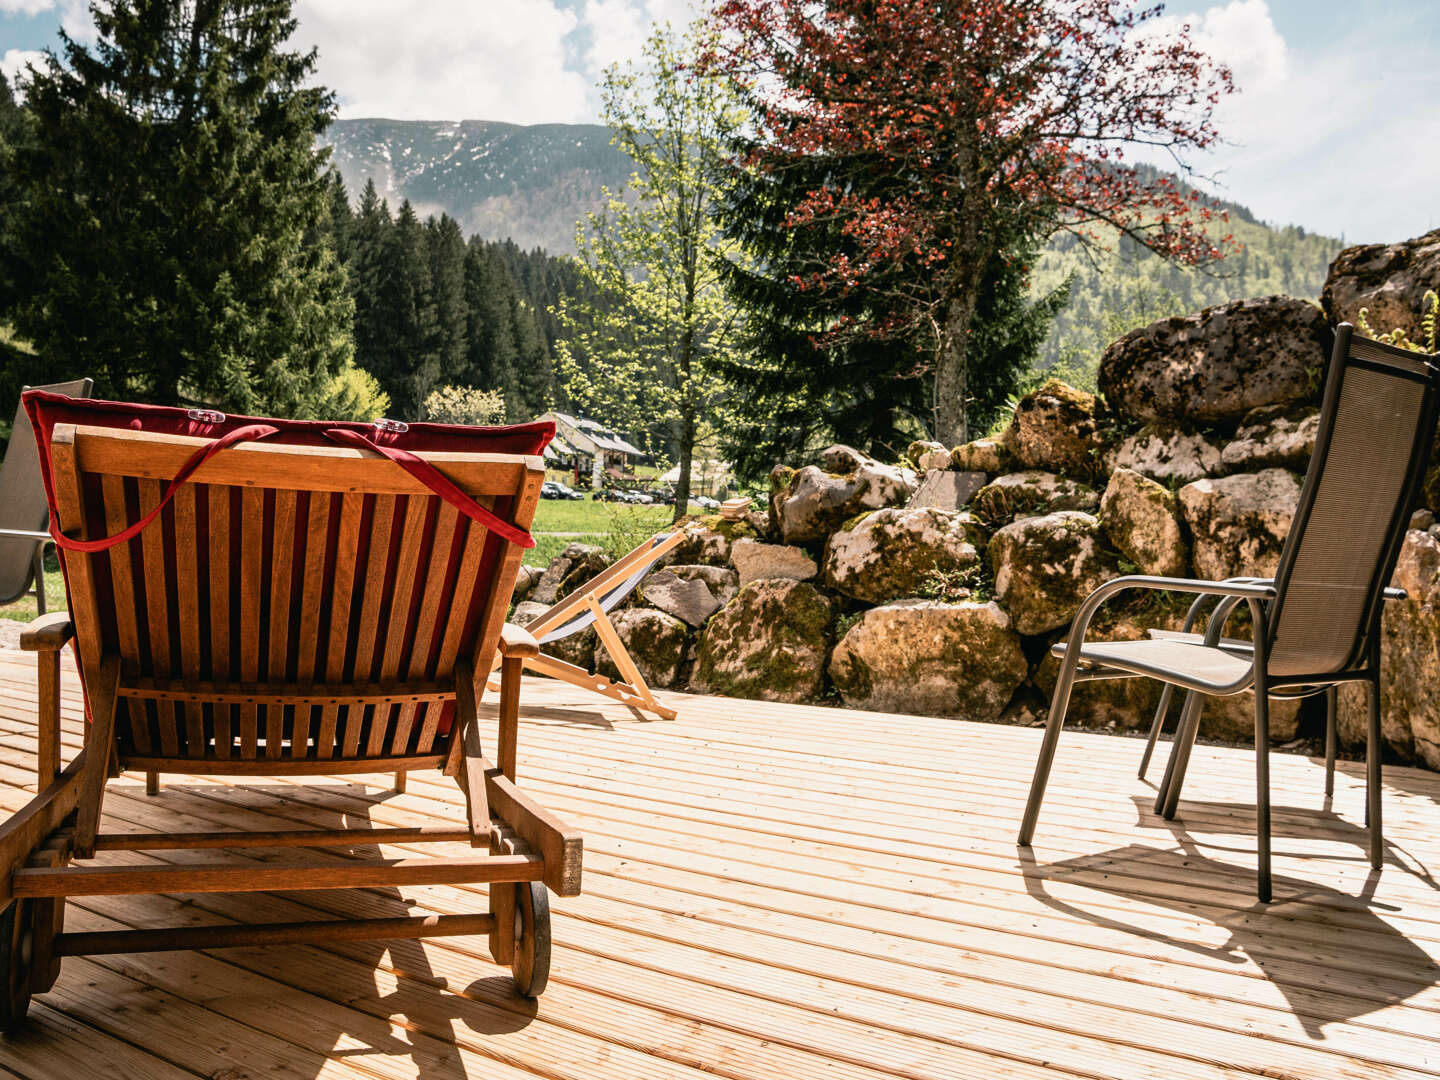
x: 1000, y: 120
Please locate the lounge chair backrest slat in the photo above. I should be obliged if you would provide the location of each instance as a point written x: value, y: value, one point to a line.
x: 1376, y: 426
x: 23, y: 505
x: 284, y: 566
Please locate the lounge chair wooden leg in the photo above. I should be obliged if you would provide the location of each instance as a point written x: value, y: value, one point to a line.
x: 1262, y: 792
x: 400, y: 782
x: 1155, y: 727
x: 1372, y: 779
x: 511, y: 669
x: 152, y: 783
x: 1167, y: 799
x: 470, y: 773
x: 605, y: 630
x: 1331, y: 695
x: 47, y: 765
x: 99, y: 746
x: 1059, y: 704
x: 502, y: 938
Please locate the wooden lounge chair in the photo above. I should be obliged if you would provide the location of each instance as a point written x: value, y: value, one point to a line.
x: 23, y: 507
x: 590, y: 605
x: 293, y: 606
x: 1318, y: 620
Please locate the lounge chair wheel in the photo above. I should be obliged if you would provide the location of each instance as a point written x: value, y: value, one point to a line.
x: 531, y: 966
x: 17, y: 942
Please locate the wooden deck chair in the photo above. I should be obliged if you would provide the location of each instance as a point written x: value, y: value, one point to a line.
x: 590, y: 605
x: 279, y: 599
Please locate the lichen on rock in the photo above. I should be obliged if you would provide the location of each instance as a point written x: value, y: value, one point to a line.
x: 770, y: 642
x: 1142, y: 519
x: 753, y: 560
x: 1030, y: 493
x: 1273, y: 436
x: 888, y: 554
x: 815, y: 501
x: 1239, y: 523
x: 1046, y: 566
x: 921, y: 656
x: 1168, y: 454
x: 1057, y: 428
x: 655, y: 641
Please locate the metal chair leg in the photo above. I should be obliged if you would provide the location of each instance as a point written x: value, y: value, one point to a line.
x: 1156, y: 725
x: 1059, y: 703
x: 1331, y: 708
x: 1372, y: 779
x: 1262, y: 792
x: 1168, y: 797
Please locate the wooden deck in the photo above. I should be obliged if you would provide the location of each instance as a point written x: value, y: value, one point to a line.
x: 790, y: 893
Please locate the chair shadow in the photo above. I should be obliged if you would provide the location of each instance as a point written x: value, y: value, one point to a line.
x: 422, y: 1000
x: 1303, y: 970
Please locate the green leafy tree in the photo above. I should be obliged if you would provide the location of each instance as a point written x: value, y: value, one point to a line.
x: 171, y: 188
x: 465, y: 405
x: 642, y: 347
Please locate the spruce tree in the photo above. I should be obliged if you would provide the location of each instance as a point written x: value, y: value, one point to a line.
x: 170, y: 189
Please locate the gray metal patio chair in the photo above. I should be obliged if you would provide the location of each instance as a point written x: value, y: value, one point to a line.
x: 1317, y: 622
x: 23, y: 509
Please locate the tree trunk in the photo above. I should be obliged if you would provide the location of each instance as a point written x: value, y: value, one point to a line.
x: 687, y: 454
x: 952, y: 376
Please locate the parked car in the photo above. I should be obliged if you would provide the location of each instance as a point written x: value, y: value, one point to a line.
x: 706, y: 502
x: 553, y: 489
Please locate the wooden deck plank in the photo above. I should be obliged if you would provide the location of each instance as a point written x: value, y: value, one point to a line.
x: 740, y: 918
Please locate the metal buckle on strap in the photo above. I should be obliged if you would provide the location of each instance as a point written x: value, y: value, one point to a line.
x: 391, y: 427
x: 206, y: 416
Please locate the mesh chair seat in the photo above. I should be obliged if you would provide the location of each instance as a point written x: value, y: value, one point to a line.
x: 1168, y: 658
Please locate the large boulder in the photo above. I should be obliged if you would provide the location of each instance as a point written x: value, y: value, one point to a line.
x: 574, y: 566
x: 1239, y: 523
x: 754, y: 560
x: 707, y: 541
x: 1168, y: 454
x: 1409, y: 661
x: 1057, y: 429
x: 1045, y: 567
x: 526, y: 580
x: 1030, y: 493
x: 1388, y: 280
x: 947, y: 489
x: 720, y: 580
x: 922, y: 656
x: 1273, y: 437
x: 888, y: 554
x: 812, y: 502
x: 928, y: 455
x: 992, y: 454
x: 770, y: 642
x: 691, y: 600
x: 655, y: 641
x: 1218, y: 364
x: 1142, y: 519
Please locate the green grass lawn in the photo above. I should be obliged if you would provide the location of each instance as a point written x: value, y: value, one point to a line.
x: 23, y: 610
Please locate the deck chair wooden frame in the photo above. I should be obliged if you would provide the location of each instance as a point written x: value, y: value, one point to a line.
x: 288, y: 573
x: 590, y: 605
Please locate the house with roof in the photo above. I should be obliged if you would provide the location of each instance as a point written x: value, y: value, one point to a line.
x: 588, y: 447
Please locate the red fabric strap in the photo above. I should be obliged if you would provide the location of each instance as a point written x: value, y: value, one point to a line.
x: 415, y: 465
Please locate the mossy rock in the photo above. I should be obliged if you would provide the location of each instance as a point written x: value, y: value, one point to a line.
x: 770, y: 642
x: 655, y: 641
x: 1030, y: 493
x: 1046, y: 566
x: 1142, y: 519
x: 1058, y: 428
x: 889, y: 554
x: 930, y: 658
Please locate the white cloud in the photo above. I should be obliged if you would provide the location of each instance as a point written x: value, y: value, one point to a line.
x: 618, y: 28
x: 15, y: 61
x: 25, y: 7
x: 1318, y: 137
x: 446, y: 59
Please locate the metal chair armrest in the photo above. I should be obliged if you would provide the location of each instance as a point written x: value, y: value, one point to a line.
x: 47, y: 633
x: 1392, y: 593
x: 27, y: 534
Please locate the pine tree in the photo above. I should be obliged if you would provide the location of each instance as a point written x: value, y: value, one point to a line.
x: 445, y: 248
x: 170, y: 189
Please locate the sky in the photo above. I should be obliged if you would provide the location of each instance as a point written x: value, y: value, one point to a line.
x: 1332, y: 126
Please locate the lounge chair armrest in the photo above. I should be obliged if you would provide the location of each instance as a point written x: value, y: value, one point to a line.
x: 516, y: 641
x: 48, y: 632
